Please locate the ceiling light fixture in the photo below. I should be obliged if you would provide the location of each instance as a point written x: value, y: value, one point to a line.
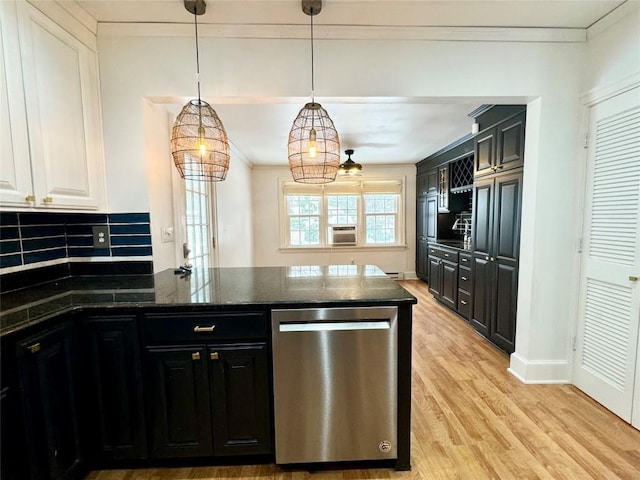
x: 199, y: 143
x: 349, y: 167
x: 314, y: 146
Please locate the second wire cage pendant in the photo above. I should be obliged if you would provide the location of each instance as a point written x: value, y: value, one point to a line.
x: 314, y: 145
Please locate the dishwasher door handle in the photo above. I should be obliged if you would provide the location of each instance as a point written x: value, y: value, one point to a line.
x: 333, y: 326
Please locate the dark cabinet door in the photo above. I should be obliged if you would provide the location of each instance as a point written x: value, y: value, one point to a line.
x: 47, y: 370
x: 116, y: 417
x: 432, y: 181
x: 422, y: 259
x: 506, y: 247
x: 241, y: 402
x: 443, y: 189
x: 485, y: 151
x: 421, y: 183
x: 482, y: 293
x: 178, y: 402
x: 510, y: 144
x: 435, y: 276
x: 431, y: 217
x: 449, y: 288
x: 482, y: 234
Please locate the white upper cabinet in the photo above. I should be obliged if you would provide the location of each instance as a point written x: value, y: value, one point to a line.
x: 52, y: 92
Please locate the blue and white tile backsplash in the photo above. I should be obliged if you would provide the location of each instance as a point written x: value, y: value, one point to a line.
x: 29, y: 238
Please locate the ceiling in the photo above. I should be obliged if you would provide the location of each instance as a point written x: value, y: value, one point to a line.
x: 259, y: 130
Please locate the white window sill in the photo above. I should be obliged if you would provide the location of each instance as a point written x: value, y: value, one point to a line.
x: 345, y: 248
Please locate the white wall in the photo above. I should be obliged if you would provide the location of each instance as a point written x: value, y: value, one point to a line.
x: 235, y: 215
x: 547, y: 74
x: 159, y: 168
x: 267, y: 232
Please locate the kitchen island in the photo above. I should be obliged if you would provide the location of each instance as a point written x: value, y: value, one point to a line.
x: 130, y: 352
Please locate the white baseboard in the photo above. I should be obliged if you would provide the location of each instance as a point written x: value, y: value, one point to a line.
x: 539, y: 371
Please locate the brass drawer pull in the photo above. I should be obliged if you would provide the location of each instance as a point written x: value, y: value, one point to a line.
x: 30, y: 198
x: 214, y: 356
x: 464, y: 278
x: 199, y: 329
x: 463, y: 302
x: 35, y: 348
x: 633, y: 278
x: 47, y: 200
x: 195, y: 356
x: 464, y: 260
x: 446, y: 255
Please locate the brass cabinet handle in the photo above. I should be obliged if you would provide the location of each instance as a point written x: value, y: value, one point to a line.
x: 30, y: 198
x: 195, y: 356
x: 199, y: 329
x: 464, y: 260
x: 464, y: 278
x: 34, y: 348
x: 214, y: 356
x: 446, y: 255
x: 463, y: 302
x: 47, y: 200
x: 486, y: 258
x: 493, y: 259
x: 633, y: 278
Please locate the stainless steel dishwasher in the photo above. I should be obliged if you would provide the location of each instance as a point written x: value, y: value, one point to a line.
x: 335, y: 384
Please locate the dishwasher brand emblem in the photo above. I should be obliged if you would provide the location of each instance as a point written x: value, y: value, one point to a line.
x: 385, y: 446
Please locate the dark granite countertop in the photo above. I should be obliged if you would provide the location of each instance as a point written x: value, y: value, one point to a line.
x: 257, y: 287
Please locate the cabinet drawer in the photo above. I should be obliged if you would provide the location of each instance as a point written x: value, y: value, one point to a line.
x: 464, y: 303
x: 464, y: 278
x: 443, y: 253
x: 465, y: 259
x: 203, y: 327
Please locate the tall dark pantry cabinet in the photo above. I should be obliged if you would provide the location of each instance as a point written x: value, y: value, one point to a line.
x: 497, y: 206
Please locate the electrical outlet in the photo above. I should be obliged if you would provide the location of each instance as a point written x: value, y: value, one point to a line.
x: 100, y: 236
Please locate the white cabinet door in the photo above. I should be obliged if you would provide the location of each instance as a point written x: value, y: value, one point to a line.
x: 15, y: 167
x: 609, y: 317
x: 63, y: 113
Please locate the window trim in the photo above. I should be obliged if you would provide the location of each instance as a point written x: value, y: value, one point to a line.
x: 360, y: 187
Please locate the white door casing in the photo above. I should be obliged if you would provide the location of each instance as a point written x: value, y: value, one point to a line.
x: 609, y: 312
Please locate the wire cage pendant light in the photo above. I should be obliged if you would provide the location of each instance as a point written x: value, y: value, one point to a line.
x: 199, y: 142
x: 314, y: 144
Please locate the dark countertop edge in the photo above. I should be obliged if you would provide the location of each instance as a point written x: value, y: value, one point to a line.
x: 443, y: 243
x: 141, y: 308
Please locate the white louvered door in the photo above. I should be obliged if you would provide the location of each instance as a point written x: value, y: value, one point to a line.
x: 607, y: 343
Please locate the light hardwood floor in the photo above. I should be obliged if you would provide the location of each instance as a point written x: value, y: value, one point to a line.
x: 472, y: 420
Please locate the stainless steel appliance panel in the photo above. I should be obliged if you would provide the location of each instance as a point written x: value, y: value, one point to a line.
x: 335, y: 384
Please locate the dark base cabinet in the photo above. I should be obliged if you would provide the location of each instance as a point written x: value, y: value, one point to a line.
x: 47, y: 368
x: 115, y: 415
x: 178, y: 402
x: 241, y: 401
x: 209, y: 393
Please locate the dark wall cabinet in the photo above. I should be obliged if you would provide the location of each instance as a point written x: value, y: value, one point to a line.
x: 207, y: 390
x: 47, y: 365
x: 116, y: 418
x: 500, y: 148
x: 496, y: 220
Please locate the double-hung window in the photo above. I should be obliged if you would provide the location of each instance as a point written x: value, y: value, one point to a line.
x: 372, y: 211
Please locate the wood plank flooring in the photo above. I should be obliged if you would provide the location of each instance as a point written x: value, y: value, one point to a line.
x: 472, y: 420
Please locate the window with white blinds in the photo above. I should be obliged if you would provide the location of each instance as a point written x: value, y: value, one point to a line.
x: 616, y: 188
x: 374, y: 208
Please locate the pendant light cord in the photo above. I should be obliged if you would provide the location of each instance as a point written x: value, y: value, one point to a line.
x: 312, y: 72
x: 195, y: 20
